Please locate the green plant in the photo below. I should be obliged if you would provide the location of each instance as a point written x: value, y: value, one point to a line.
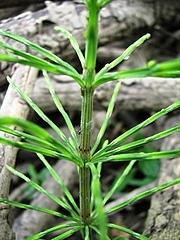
x: 91, y: 217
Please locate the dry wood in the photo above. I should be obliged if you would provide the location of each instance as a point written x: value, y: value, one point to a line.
x: 12, y: 106
x: 136, y: 94
x: 163, y: 222
x: 146, y: 93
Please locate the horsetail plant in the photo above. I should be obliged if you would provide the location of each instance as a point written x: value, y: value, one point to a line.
x: 90, y: 217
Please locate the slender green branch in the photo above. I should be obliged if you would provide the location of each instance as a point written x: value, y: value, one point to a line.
x: 85, y: 145
x: 143, y: 195
x: 129, y: 231
x: 91, y: 43
x: 87, y: 108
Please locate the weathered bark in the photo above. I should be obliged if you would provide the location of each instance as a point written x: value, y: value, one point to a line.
x: 12, y: 106
x: 163, y: 222
x: 147, y: 93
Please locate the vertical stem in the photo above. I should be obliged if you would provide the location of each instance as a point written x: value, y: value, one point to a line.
x: 87, y: 108
x: 91, y: 42
x: 85, y: 147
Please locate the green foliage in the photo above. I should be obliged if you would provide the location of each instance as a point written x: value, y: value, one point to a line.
x: 119, y: 182
x: 150, y: 169
x: 64, y: 226
x: 127, y: 230
x: 143, y: 195
x: 107, y: 117
x: 58, y: 66
x: 92, y: 215
x: 74, y: 44
x: 101, y: 217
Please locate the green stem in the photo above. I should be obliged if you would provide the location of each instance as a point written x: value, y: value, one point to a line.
x: 87, y: 109
x: 85, y: 147
x: 91, y: 42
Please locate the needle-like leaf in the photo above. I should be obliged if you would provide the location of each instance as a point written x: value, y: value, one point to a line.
x: 143, y: 195
x: 67, y: 233
x: 32, y: 207
x: 107, y: 117
x: 44, y: 52
x: 32, y: 104
x: 165, y: 69
x: 30, y: 127
x: 73, y: 42
x: 142, y: 156
x: 50, y: 195
x: 36, y: 61
x: 14, y: 59
x: 27, y: 137
x: 148, y: 121
x: 117, y: 141
x: 129, y: 231
x: 59, y: 227
x: 58, y: 179
x: 61, y: 109
x: 119, y: 181
x: 123, y: 56
x: 141, y: 142
x: 36, y: 131
x: 27, y: 99
x: 58, y: 65
x: 103, y: 3
x: 152, y: 138
x: 31, y: 148
x: 99, y: 206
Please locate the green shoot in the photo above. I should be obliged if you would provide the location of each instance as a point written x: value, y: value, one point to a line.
x: 123, y: 56
x: 61, y: 109
x: 127, y: 230
x: 142, y: 195
x: 67, y: 233
x: 87, y: 235
x: 165, y: 69
x: 139, y: 156
x: 58, y: 179
x: 99, y: 206
x: 119, y: 181
x: 117, y: 141
x: 34, y: 208
x: 73, y: 42
x: 107, y: 117
x: 33, y: 184
x: 59, y: 227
